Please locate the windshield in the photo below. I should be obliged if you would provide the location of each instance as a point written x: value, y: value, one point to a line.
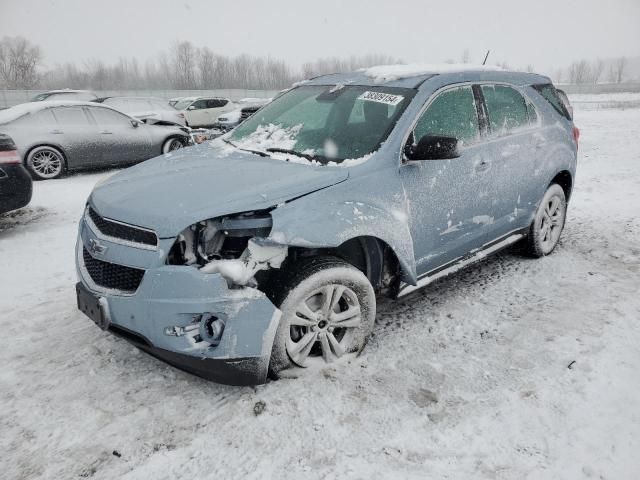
x: 325, y: 123
x: 182, y: 104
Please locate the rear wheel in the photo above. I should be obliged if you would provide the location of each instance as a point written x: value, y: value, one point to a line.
x: 172, y: 144
x: 328, y: 311
x: 548, y: 222
x: 45, y: 163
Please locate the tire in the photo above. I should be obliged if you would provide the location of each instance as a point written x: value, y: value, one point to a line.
x: 45, y: 163
x: 326, y: 336
x: 171, y: 144
x: 548, y: 223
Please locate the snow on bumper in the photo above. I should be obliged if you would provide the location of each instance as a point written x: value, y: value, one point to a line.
x: 174, y: 299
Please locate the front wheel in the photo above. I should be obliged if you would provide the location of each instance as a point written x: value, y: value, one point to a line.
x: 328, y: 311
x: 548, y: 222
x: 172, y: 144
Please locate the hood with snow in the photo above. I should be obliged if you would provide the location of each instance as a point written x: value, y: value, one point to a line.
x: 173, y: 191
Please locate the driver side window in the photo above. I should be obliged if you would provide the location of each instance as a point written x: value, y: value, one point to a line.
x: 199, y: 104
x: 452, y: 114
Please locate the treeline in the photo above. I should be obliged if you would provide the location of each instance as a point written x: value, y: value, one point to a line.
x: 183, y: 67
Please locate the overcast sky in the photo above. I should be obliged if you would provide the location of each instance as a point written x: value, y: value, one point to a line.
x: 544, y: 33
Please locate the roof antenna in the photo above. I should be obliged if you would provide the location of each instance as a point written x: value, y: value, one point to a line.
x: 486, y: 56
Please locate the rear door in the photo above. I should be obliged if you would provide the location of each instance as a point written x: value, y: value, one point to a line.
x: 79, y: 136
x: 120, y: 141
x: 513, y: 139
x: 448, y: 201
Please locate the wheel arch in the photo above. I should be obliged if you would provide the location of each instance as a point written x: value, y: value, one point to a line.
x: 565, y: 180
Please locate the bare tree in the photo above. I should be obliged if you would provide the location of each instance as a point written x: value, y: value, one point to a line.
x: 19, y: 61
x: 596, y: 70
x: 579, y: 72
x: 619, y: 67
x: 183, y: 65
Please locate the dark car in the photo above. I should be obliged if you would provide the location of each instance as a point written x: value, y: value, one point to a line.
x: 54, y: 137
x: 15, y: 181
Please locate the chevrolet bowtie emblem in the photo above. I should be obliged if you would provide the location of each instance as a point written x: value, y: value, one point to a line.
x: 96, y: 247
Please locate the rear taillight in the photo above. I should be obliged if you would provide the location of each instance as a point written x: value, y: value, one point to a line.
x: 576, y: 135
x: 9, y: 157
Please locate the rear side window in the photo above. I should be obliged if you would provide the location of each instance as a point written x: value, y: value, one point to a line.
x: 550, y: 94
x: 216, y: 103
x: 506, y: 107
x: 452, y: 114
x: 71, y: 116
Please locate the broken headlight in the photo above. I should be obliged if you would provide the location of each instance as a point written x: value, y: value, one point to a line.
x: 222, y: 238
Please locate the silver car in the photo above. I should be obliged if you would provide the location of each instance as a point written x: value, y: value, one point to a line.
x: 53, y: 137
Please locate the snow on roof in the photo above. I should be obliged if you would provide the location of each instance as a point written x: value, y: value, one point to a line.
x: 13, y: 113
x: 390, y: 73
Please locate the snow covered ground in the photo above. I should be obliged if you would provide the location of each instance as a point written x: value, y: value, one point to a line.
x: 512, y: 369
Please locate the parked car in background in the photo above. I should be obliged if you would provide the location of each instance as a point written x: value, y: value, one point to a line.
x: 147, y: 109
x: 232, y: 119
x: 265, y: 249
x: 53, y: 137
x: 66, y: 94
x: 203, y: 111
x: 15, y: 181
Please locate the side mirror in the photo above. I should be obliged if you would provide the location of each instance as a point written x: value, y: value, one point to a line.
x: 191, y: 107
x: 135, y: 123
x: 433, y: 147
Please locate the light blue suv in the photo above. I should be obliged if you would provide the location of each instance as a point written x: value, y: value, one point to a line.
x: 265, y: 249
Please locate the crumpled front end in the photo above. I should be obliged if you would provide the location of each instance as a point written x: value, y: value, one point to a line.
x: 196, y: 321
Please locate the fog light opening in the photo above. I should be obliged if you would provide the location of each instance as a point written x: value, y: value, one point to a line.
x: 211, y: 328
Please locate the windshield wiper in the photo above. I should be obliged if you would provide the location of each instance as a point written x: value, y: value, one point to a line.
x: 308, y: 156
x: 257, y: 152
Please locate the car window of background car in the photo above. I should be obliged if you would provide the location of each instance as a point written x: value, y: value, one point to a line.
x: 507, y: 109
x: 42, y: 118
x: 70, y: 116
x: 532, y: 114
x: 452, y: 114
x: 183, y: 104
x: 216, y: 103
x: 199, y: 104
x: 105, y: 116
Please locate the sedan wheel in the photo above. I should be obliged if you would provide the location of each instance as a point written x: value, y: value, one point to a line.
x: 172, y: 144
x: 328, y: 310
x: 45, y: 163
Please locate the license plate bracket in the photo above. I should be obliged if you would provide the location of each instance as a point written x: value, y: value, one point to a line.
x: 92, y: 306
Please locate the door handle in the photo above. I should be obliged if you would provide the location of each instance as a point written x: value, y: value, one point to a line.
x: 57, y: 132
x: 106, y: 132
x: 483, y: 166
x: 540, y: 144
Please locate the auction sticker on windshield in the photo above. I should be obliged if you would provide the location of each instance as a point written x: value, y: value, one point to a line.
x: 381, y: 97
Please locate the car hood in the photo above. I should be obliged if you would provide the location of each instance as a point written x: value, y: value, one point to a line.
x: 173, y: 191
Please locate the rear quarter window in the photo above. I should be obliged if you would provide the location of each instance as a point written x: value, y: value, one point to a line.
x: 550, y: 94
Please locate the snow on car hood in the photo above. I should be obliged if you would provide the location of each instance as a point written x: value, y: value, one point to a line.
x: 171, y: 192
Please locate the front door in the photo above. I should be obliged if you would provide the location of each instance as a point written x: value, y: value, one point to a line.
x: 78, y: 136
x: 121, y: 142
x: 449, y: 203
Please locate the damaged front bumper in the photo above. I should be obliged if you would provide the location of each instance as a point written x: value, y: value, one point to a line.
x: 170, y: 314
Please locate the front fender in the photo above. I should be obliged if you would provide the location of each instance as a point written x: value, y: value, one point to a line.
x: 322, y: 221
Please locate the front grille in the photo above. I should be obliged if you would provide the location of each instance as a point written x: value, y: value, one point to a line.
x: 121, y: 231
x: 110, y: 275
x: 247, y: 112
